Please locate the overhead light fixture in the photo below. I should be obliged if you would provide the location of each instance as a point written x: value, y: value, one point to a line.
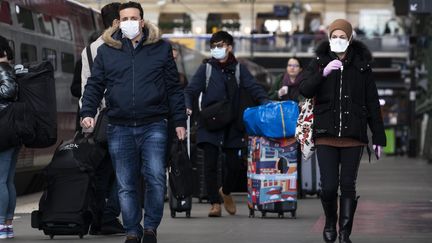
x: 161, y: 2
x: 285, y: 26
x: 271, y: 25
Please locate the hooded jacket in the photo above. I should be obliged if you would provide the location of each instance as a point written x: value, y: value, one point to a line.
x: 346, y: 101
x: 141, y: 83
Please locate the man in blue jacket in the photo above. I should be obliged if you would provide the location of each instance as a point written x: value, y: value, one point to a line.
x: 139, y: 74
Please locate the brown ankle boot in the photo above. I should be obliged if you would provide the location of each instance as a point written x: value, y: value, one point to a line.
x: 215, y: 210
x: 229, y: 204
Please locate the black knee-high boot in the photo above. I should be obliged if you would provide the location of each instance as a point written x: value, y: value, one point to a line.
x: 330, y: 210
x: 346, y: 217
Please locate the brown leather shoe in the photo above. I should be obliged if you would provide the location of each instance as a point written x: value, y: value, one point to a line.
x: 229, y: 204
x: 215, y: 210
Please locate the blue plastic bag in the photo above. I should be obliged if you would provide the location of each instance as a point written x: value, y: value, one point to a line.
x: 272, y: 120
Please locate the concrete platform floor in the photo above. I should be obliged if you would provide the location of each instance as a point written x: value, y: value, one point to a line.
x: 395, y: 206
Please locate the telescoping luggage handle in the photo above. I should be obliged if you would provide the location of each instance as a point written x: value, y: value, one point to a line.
x: 188, y: 135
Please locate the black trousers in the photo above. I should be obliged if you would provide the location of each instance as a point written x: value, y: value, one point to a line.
x: 231, y: 170
x: 338, y: 167
x: 106, y: 193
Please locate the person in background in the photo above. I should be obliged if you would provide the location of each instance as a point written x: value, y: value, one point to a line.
x: 346, y: 102
x: 8, y: 157
x: 222, y: 82
x: 108, y: 206
x: 135, y: 70
x: 286, y: 86
x: 75, y: 87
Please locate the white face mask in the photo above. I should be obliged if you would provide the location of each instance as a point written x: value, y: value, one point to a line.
x: 130, y: 28
x: 218, y: 53
x: 338, y: 45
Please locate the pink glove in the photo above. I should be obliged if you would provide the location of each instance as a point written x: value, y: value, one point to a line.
x: 377, y: 149
x: 333, y: 65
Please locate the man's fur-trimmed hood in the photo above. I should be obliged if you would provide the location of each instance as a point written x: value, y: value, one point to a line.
x: 111, y: 36
x: 355, y: 48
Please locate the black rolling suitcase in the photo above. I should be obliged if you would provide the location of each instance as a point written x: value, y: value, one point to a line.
x: 180, y: 177
x: 67, y: 203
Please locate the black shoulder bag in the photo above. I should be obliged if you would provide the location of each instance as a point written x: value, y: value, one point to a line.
x: 218, y: 115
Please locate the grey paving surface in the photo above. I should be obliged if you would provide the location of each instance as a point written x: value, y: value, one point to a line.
x: 395, y: 206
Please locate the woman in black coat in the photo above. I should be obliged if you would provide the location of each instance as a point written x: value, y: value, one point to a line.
x: 346, y: 102
x: 9, y: 155
x: 222, y: 84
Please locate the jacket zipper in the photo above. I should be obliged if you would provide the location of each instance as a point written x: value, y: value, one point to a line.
x: 133, y: 84
x: 340, y: 103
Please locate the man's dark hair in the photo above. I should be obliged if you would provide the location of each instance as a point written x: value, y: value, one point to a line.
x: 5, y: 48
x: 222, y: 36
x: 109, y: 13
x: 131, y: 4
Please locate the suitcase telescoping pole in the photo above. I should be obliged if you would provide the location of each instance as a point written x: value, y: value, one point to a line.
x: 188, y: 135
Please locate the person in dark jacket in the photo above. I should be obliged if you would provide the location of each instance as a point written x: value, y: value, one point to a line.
x: 222, y: 84
x: 8, y: 157
x: 105, y: 216
x: 137, y: 69
x: 286, y: 86
x: 346, y: 102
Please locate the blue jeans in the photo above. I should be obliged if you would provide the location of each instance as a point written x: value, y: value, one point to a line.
x: 136, y: 150
x: 8, y: 159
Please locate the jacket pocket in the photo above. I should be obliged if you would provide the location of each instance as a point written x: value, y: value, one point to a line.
x: 323, y: 119
x: 357, y: 123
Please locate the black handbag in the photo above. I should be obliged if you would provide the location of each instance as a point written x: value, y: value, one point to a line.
x: 217, y: 116
x: 180, y: 171
x: 99, y: 132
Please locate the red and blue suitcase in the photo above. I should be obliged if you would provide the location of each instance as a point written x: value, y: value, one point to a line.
x: 272, y: 176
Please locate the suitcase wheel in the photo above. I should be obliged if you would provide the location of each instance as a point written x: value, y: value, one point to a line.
x: 188, y: 214
x: 280, y: 215
x: 51, y: 237
x: 173, y: 214
x: 251, y: 213
x: 293, y: 214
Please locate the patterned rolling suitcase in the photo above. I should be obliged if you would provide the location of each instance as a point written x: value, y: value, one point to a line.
x: 272, y: 176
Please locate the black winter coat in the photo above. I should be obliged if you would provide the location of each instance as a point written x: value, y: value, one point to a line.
x: 345, y: 101
x: 8, y: 86
x: 232, y: 136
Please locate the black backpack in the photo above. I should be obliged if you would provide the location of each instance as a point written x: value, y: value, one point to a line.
x: 37, y: 91
x: 67, y: 205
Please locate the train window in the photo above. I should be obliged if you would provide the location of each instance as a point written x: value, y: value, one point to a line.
x: 12, y: 46
x: 64, y: 29
x: 25, y: 18
x: 45, y: 24
x: 5, y: 14
x: 50, y: 55
x: 28, y: 53
x: 67, y: 62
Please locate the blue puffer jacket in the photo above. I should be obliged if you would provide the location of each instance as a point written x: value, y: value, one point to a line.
x: 141, y: 84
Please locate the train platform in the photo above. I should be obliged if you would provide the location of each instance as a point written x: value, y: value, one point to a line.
x: 395, y: 206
